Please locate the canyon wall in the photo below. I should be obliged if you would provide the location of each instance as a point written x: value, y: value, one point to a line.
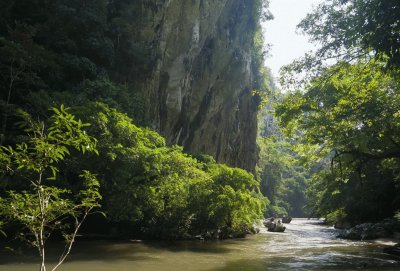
x: 199, y: 93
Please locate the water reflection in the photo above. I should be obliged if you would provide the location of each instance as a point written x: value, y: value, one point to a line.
x: 304, y: 246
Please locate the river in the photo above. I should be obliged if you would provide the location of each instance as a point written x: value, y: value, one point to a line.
x: 305, y: 245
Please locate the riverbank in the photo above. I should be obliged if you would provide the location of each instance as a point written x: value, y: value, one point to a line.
x: 385, y: 232
x: 305, y: 245
x: 388, y: 228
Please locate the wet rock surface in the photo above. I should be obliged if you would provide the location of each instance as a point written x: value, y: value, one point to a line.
x: 368, y: 231
x: 274, y: 225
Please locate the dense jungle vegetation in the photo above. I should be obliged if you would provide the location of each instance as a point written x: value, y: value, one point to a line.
x: 344, y: 110
x: 283, y: 178
x: 74, y: 139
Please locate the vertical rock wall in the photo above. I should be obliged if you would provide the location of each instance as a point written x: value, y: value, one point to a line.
x: 199, y: 94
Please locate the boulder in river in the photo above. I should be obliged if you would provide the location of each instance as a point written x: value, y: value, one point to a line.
x: 273, y: 226
x: 269, y: 222
x: 368, y: 231
x: 286, y: 219
x: 279, y: 227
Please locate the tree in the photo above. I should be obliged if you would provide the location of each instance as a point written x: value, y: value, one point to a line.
x: 235, y: 201
x: 282, y: 177
x: 354, y: 110
x: 48, y: 204
x: 347, y: 30
x: 349, y: 123
x: 20, y: 61
x: 157, y: 190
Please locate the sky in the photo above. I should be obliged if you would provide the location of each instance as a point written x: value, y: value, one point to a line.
x: 281, y: 32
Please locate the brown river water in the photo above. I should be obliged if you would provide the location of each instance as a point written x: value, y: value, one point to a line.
x: 305, y: 245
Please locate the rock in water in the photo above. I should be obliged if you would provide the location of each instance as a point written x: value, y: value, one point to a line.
x: 367, y: 231
x: 273, y: 226
x: 286, y: 219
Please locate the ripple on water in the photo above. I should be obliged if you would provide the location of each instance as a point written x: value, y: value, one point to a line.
x: 305, y: 245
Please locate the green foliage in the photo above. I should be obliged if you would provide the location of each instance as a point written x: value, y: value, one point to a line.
x: 336, y: 216
x: 260, y: 48
x: 356, y: 27
x: 346, y: 120
x: 135, y: 55
x: 349, y: 121
x: 261, y: 10
x: 45, y: 205
x: 162, y: 191
x: 70, y: 52
x: 76, y: 52
x: 282, y: 178
x: 20, y: 63
x: 346, y: 31
x: 354, y: 110
x: 235, y: 201
x: 117, y: 96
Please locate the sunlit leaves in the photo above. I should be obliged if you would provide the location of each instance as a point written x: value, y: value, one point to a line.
x: 159, y: 188
x: 234, y: 201
x: 353, y: 109
x: 44, y: 205
x: 347, y: 31
x: 349, y: 114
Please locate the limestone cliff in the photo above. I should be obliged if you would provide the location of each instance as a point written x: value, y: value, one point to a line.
x: 199, y: 91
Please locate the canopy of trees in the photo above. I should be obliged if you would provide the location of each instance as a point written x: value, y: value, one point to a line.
x: 162, y: 191
x: 46, y: 203
x: 346, y: 120
x: 148, y: 188
x: 283, y: 179
x: 346, y: 30
x: 89, y: 55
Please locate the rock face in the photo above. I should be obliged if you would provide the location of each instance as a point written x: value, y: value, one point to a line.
x: 367, y: 231
x: 199, y: 93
